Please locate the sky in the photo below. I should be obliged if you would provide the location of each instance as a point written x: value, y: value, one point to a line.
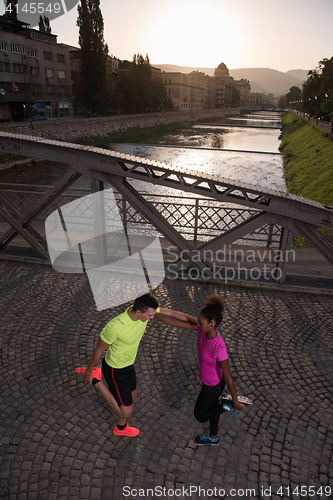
x: 282, y: 35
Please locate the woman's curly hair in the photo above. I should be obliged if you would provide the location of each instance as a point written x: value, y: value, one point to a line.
x: 213, y: 309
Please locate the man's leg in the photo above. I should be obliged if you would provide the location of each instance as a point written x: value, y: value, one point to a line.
x: 108, y: 397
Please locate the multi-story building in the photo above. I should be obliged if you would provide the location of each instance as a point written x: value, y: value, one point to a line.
x: 188, y: 92
x: 35, y: 76
x: 244, y: 88
x: 224, y: 84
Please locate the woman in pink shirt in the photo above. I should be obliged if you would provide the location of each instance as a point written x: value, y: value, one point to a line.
x: 214, y: 369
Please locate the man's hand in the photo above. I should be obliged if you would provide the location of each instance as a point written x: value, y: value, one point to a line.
x: 87, y: 377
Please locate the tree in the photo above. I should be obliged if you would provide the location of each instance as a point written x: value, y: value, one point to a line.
x: 94, y: 53
x: 11, y: 9
x: 44, y: 24
x: 282, y: 102
x: 235, y: 96
x: 138, y: 91
x: 317, y: 94
x: 294, y: 94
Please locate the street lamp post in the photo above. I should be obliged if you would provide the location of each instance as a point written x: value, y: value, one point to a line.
x: 26, y: 93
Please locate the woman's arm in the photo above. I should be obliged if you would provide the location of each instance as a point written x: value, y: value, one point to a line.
x: 174, y: 321
x: 230, y: 384
x: 178, y: 315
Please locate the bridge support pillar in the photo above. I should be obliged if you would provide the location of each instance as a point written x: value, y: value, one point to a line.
x: 98, y: 207
x: 280, y: 271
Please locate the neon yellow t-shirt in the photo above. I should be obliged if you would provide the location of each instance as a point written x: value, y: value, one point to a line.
x: 124, y: 335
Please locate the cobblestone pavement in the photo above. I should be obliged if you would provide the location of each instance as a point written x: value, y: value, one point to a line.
x: 56, y: 432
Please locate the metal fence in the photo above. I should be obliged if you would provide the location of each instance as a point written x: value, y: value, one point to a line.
x: 196, y: 218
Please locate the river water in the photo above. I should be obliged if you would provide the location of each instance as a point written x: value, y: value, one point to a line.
x: 240, y: 148
x: 244, y: 149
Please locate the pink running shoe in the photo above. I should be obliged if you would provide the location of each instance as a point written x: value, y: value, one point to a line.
x: 128, y: 431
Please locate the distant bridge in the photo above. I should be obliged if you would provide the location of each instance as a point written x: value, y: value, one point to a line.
x: 293, y: 214
x: 268, y: 107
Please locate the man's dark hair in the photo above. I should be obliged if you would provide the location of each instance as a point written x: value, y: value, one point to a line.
x: 142, y: 303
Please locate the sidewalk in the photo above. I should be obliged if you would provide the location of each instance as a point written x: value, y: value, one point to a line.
x: 56, y: 433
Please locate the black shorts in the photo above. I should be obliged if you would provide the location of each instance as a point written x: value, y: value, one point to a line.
x: 121, y: 382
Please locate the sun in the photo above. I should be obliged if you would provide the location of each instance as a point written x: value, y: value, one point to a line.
x: 196, y: 34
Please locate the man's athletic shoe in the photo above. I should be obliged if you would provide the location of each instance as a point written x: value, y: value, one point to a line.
x: 128, y: 431
x: 229, y: 407
x: 206, y: 440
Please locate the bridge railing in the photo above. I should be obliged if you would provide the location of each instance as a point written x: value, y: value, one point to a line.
x: 196, y: 218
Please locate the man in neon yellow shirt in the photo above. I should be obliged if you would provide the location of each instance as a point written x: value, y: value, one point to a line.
x: 121, y: 338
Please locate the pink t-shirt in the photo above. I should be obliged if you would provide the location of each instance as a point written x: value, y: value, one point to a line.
x: 210, y: 353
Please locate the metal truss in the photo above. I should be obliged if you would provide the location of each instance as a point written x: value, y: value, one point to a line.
x: 293, y: 213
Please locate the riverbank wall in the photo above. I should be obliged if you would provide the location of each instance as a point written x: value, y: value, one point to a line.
x: 111, y: 128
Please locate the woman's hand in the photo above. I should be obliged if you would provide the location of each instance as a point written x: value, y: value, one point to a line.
x: 238, y: 406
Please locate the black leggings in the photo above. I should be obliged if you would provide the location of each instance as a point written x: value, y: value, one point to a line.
x: 207, y: 406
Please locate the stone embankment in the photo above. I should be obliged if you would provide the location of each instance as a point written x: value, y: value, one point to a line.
x: 74, y: 129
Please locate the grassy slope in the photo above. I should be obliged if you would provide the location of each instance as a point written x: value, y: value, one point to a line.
x: 308, y: 159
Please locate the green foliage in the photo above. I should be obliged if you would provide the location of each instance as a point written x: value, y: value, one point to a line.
x: 138, y: 91
x: 294, y: 94
x: 282, y: 102
x: 94, y: 52
x: 317, y: 95
x: 307, y: 160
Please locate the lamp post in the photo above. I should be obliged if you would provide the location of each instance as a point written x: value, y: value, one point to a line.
x: 27, y: 95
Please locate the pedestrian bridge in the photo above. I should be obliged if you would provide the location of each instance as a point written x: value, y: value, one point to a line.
x: 256, y: 207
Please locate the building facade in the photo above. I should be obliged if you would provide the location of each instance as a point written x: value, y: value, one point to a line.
x: 35, y: 76
x: 224, y: 84
x: 244, y: 88
x: 188, y: 92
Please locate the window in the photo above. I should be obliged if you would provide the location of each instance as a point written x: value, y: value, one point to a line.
x: 36, y: 89
x: 19, y: 68
x: 48, y: 73
x: 60, y: 58
x: 17, y: 49
x: 4, y: 66
x: 50, y: 89
x: 61, y: 75
x: 63, y: 90
x: 3, y: 46
x: 32, y: 52
x: 47, y: 56
x: 34, y: 71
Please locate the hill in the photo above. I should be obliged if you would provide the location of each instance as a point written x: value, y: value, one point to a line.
x: 272, y: 80
x: 262, y: 80
x: 301, y: 74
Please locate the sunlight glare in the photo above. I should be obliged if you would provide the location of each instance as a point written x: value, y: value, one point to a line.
x: 195, y: 35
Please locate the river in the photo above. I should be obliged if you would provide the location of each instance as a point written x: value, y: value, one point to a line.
x: 244, y: 148
x: 239, y: 148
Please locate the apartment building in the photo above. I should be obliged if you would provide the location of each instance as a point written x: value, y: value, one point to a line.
x: 244, y: 88
x: 35, y: 76
x: 195, y: 91
x: 224, y: 84
x: 188, y: 92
